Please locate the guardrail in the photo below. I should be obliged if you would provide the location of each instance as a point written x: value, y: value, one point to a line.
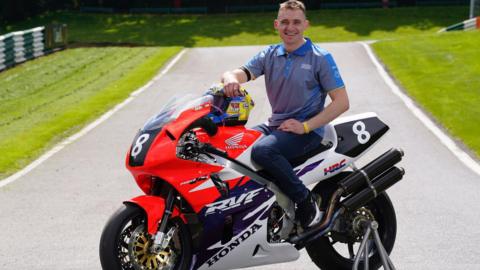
x: 20, y: 46
x: 465, y: 25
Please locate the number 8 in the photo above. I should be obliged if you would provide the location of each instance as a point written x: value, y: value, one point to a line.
x: 138, y: 145
x: 362, y: 135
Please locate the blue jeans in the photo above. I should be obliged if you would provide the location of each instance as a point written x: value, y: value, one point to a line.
x: 274, y: 150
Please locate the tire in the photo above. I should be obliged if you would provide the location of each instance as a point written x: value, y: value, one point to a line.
x: 125, y: 232
x: 328, y: 255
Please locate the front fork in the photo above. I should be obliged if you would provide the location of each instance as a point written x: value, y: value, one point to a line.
x: 162, y: 239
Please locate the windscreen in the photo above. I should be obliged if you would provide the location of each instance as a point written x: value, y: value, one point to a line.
x: 174, y: 107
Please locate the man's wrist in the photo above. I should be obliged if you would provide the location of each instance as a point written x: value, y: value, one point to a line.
x: 306, y: 127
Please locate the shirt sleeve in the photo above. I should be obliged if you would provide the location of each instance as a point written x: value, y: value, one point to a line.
x: 329, y: 76
x: 256, y: 65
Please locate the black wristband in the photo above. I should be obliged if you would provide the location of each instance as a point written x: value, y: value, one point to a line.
x: 247, y: 72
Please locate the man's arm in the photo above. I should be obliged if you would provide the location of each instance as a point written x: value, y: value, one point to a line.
x: 231, y: 81
x: 339, y: 105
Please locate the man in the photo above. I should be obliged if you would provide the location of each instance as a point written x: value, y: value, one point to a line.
x: 298, y: 77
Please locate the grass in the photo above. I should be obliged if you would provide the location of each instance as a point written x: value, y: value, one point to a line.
x: 247, y: 29
x: 47, y: 99
x: 442, y: 73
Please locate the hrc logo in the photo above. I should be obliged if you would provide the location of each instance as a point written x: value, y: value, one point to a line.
x: 335, y: 167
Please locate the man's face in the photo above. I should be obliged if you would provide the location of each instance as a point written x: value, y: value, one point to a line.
x: 290, y: 25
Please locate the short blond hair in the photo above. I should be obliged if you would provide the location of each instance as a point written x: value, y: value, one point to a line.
x: 293, y: 5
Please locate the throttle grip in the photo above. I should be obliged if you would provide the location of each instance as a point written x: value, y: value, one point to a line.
x: 207, y: 124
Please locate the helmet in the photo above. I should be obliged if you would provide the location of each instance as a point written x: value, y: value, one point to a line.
x: 230, y: 111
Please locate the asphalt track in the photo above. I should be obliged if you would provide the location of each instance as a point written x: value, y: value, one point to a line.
x: 52, y: 217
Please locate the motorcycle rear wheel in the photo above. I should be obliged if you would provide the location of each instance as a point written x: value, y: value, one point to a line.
x: 328, y: 253
x: 124, y: 244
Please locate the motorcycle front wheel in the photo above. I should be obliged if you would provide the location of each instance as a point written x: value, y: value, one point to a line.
x: 125, y: 243
x: 337, y: 249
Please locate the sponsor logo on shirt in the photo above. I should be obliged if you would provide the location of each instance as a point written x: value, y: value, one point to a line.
x: 306, y: 66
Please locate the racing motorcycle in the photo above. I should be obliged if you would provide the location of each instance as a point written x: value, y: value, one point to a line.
x: 207, y: 205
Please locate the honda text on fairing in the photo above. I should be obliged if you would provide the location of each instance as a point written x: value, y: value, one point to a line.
x: 208, y: 206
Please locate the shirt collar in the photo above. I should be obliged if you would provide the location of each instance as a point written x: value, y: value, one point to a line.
x: 307, y: 46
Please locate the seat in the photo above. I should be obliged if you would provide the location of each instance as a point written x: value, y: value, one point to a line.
x: 301, y: 159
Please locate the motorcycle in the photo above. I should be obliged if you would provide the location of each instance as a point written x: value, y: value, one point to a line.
x: 207, y: 205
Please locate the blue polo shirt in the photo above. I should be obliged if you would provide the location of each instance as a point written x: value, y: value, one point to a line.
x: 297, y: 83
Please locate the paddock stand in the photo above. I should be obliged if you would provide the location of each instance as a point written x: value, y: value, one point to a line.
x: 363, y: 250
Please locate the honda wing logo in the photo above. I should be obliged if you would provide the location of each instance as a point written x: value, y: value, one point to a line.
x: 233, y: 142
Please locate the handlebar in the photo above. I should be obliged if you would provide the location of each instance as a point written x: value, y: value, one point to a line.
x: 207, y: 124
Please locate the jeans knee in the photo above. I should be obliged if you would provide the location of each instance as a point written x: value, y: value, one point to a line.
x: 261, y: 153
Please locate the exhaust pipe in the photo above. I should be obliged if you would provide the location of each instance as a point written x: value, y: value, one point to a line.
x: 362, y: 178
x: 380, y: 184
x: 384, y: 175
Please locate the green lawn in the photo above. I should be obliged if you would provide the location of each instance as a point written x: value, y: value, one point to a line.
x: 248, y: 28
x: 442, y: 73
x: 49, y: 98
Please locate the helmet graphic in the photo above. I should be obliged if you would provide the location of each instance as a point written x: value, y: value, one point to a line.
x: 230, y: 111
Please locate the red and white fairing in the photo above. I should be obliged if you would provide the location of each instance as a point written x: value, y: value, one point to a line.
x: 154, y: 157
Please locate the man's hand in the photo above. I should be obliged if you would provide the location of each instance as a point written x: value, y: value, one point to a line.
x: 232, y: 88
x: 292, y: 125
x: 231, y: 82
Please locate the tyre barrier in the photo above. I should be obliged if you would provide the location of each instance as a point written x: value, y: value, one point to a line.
x: 20, y: 46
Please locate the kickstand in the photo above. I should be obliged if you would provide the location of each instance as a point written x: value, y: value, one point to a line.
x: 371, y: 227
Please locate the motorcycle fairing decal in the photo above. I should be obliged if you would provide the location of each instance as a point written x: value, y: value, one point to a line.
x: 232, y: 202
x: 356, y: 136
x: 306, y: 169
x: 225, y: 174
x: 222, y: 250
x: 224, y: 227
x: 259, y: 209
x: 206, y: 193
x: 335, y: 167
x: 140, y: 146
x: 234, y: 142
x: 233, y: 244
